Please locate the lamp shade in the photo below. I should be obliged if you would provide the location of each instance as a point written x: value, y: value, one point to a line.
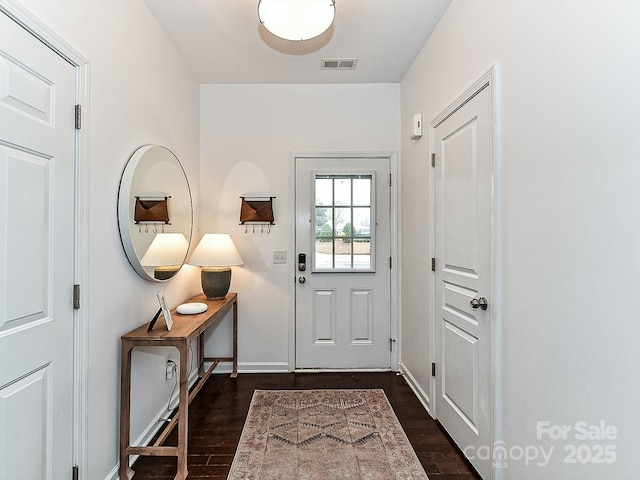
x: 166, y: 249
x: 216, y: 250
x: 296, y: 19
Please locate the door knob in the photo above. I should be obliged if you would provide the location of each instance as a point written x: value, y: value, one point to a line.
x: 480, y: 303
x: 301, y: 279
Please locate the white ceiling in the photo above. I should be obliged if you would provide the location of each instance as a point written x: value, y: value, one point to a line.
x: 223, y: 41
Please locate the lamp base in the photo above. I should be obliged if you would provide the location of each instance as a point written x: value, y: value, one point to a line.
x: 165, y: 272
x: 215, y: 282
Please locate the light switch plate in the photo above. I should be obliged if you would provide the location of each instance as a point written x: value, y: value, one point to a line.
x: 279, y: 256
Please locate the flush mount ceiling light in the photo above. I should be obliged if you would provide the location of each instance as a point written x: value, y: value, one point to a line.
x: 296, y: 19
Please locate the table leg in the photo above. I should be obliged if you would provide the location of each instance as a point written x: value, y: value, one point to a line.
x: 234, y: 372
x: 201, y: 355
x: 125, y: 472
x: 183, y: 412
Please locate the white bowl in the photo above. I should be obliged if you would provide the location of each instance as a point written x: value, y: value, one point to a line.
x: 191, y: 308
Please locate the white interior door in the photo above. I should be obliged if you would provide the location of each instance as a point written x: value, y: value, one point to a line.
x: 37, y: 137
x: 463, y: 210
x: 343, y: 280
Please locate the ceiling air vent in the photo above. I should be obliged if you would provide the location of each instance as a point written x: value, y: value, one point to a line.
x: 339, y: 63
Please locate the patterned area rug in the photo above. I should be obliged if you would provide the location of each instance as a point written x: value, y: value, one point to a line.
x: 323, y: 435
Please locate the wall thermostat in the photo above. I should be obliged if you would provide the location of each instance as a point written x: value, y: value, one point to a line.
x: 416, y: 127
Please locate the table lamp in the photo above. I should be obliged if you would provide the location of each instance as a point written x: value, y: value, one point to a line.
x: 215, y: 253
x: 166, y: 254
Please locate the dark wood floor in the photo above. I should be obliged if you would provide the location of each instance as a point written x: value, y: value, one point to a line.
x: 218, y: 412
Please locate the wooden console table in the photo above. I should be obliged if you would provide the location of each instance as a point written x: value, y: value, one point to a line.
x: 186, y: 328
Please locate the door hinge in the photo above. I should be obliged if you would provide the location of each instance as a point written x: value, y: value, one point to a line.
x: 390, y: 181
x: 433, y: 369
x: 433, y: 159
x: 433, y: 264
x: 78, y: 117
x: 391, y: 342
x: 75, y: 474
x: 76, y: 297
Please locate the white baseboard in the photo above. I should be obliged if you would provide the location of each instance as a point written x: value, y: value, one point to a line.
x: 113, y: 474
x: 417, y: 389
x: 341, y: 370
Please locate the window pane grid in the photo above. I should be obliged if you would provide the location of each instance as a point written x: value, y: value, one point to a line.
x: 343, y: 222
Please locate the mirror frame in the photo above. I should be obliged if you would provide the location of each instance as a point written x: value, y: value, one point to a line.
x: 126, y: 205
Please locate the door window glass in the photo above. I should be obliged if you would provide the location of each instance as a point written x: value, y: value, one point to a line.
x: 343, y: 223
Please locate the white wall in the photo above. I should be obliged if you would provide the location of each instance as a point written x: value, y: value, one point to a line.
x: 140, y: 93
x: 570, y: 232
x: 248, y: 135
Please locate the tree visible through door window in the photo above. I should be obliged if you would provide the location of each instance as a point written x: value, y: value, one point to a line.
x: 343, y: 223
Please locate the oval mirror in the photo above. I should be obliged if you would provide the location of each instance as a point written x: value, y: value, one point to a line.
x: 155, y: 213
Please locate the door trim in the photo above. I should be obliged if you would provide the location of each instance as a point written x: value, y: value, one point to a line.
x: 46, y: 35
x: 488, y: 80
x: 394, y: 245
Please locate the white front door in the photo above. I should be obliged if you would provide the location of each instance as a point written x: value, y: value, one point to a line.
x: 37, y: 138
x: 343, y: 279
x: 463, y: 213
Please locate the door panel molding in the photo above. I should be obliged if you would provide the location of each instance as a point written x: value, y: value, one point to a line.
x: 324, y: 316
x: 34, y: 445
x: 361, y: 307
